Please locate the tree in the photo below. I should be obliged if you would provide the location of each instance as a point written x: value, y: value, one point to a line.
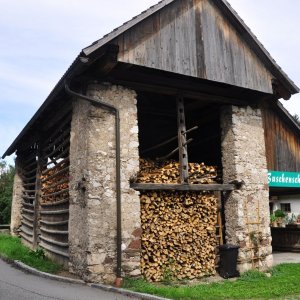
x: 7, y: 173
x: 296, y: 118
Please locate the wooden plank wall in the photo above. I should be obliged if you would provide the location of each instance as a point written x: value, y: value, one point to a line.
x: 282, y: 143
x: 227, y: 57
x: 165, y: 41
x: 45, y: 175
x: 29, y: 178
x: 193, y: 38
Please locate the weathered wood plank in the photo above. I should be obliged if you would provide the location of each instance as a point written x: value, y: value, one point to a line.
x: 227, y: 56
x: 282, y: 142
x: 25, y: 237
x: 194, y: 38
x: 53, y: 249
x: 28, y: 224
x: 27, y: 218
x: 54, y: 232
x: 182, y: 142
x: 53, y: 242
x: 27, y: 211
x: 167, y: 38
x: 27, y: 231
x: 57, y: 223
x: 201, y: 69
x: 54, y: 212
x: 156, y: 86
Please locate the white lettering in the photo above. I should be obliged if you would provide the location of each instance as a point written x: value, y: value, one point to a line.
x: 284, y: 178
x: 269, y: 177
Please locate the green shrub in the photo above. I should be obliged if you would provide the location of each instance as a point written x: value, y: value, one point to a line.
x: 279, y: 213
x: 13, y: 249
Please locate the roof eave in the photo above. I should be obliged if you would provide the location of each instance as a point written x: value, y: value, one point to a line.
x: 258, y: 47
x: 56, y: 90
x: 288, y: 116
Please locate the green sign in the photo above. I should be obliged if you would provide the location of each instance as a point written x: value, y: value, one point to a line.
x: 284, y: 179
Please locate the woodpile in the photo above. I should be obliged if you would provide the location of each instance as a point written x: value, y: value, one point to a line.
x: 55, y: 184
x: 179, y: 228
x: 168, y: 172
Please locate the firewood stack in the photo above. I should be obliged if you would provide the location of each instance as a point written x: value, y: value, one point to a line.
x: 168, y: 172
x: 179, y: 233
x: 57, y: 184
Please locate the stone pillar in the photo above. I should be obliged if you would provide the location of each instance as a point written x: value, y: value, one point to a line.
x: 78, y: 211
x: 16, y: 206
x: 246, y: 209
x: 92, y: 223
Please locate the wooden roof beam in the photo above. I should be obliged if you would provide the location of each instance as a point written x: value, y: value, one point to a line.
x: 168, y: 86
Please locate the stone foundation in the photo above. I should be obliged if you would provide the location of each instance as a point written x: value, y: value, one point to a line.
x: 246, y: 209
x: 92, y: 222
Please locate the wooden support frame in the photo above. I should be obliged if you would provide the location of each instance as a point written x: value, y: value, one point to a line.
x: 28, y: 210
x: 45, y: 212
x: 182, y: 143
x: 38, y: 185
x: 181, y: 187
x: 219, y: 218
x: 168, y: 85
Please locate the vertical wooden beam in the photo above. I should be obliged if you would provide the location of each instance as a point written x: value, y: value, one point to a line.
x: 38, y: 190
x: 219, y: 217
x: 182, y: 145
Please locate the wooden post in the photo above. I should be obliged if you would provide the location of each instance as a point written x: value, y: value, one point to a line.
x: 219, y: 218
x: 182, y: 144
x: 38, y: 191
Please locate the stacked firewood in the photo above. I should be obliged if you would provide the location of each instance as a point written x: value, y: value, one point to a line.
x: 179, y: 228
x: 55, y: 187
x: 168, y: 172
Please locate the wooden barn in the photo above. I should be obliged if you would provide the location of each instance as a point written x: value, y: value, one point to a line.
x: 154, y: 148
x: 283, y: 162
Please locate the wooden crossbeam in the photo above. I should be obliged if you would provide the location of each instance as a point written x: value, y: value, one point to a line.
x: 182, y: 187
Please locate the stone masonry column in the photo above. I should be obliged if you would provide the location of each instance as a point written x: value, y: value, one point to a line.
x: 92, y: 223
x: 78, y: 211
x: 247, y: 209
x: 16, y: 206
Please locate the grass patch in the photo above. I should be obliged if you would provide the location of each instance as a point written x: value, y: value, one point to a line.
x: 251, y: 285
x: 12, y: 249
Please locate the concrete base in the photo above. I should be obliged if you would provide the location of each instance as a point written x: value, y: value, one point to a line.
x: 285, y: 257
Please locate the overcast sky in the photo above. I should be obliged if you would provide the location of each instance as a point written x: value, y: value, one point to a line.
x: 40, y: 39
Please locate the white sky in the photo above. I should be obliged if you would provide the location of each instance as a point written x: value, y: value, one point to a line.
x: 40, y: 39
